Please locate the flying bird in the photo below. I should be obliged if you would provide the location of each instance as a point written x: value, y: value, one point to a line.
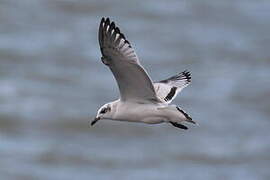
x: 141, y: 99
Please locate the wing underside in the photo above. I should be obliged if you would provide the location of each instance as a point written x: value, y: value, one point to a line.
x: 133, y: 81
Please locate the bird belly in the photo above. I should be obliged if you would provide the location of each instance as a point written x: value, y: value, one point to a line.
x: 146, y: 113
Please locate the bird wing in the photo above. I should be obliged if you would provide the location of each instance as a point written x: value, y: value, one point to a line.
x: 133, y: 81
x: 168, y: 89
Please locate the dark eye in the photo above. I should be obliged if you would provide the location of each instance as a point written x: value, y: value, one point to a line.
x: 104, y: 110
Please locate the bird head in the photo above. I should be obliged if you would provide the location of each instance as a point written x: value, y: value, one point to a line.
x: 103, y: 113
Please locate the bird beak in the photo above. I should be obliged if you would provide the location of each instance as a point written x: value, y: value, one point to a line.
x: 95, y: 120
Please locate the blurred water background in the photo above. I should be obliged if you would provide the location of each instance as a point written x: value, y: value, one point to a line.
x: 52, y: 82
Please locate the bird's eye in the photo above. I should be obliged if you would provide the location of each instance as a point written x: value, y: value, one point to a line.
x: 104, y: 110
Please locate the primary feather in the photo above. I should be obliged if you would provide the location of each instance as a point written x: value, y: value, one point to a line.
x: 133, y: 81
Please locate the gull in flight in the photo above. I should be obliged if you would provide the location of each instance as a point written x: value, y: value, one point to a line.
x: 141, y: 100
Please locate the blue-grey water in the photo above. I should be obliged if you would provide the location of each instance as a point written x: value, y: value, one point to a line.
x: 52, y: 82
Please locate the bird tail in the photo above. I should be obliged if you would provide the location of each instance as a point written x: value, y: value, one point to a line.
x: 178, y: 118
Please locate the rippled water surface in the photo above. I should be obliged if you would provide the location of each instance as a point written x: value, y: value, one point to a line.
x: 52, y: 82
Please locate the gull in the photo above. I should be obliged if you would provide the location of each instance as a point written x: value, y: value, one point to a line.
x: 141, y: 99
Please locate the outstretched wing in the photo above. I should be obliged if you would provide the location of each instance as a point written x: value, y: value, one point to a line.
x: 133, y: 81
x: 168, y: 89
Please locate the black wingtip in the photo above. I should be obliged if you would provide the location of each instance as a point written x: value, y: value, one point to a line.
x: 189, y: 119
x: 107, y: 21
x: 117, y: 30
x: 112, y: 25
x: 122, y: 36
x: 181, y: 126
x: 187, y: 75
x: 109, y: 26
x: 126, y: 41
